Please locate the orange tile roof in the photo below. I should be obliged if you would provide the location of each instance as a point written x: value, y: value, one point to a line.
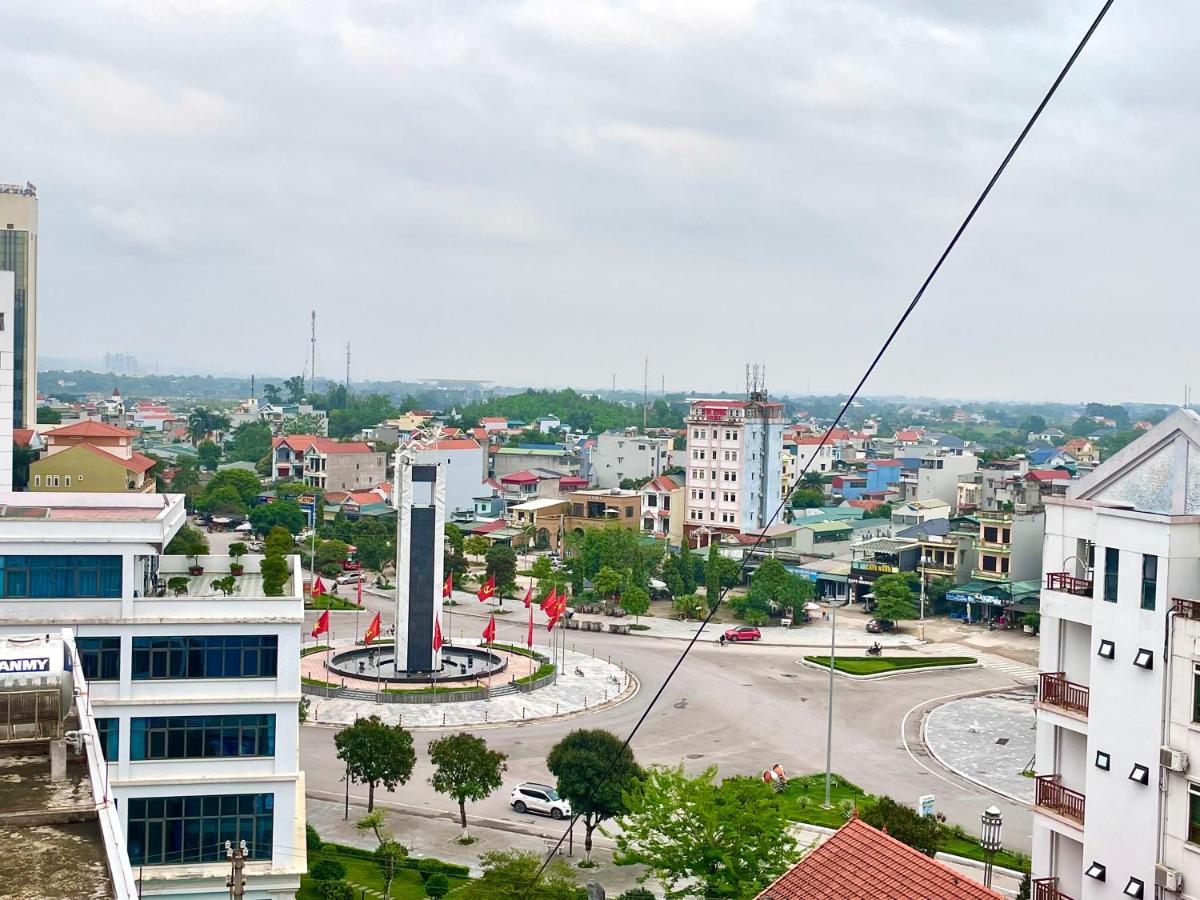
x: 456, y: 444
x: 90, y: 429
x: 136, y: 463
x: 863, y: 863
x: 298, y: 442
x: 22, y: 436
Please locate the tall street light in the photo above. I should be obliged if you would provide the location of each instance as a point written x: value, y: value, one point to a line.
x: 989, y: 840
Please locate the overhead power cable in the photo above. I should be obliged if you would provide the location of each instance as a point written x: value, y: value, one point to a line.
x: 908, y: 311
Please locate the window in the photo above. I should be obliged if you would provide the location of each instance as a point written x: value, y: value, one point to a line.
x: 1112, y: 560
x: 194, y: 737
x: 101, y: 657
x: 166, y: 830
x: 1144, y: 658
x: 989, y: 564
x: 629, y: 512
x: 215, y: 656
x: 37, y: 480
x: 990, y: 533
x: 1149, y: 580
x: 1107, y: 649
x: 109, y: 731
x: 60, y: 576
x: 734, y: 453
x: 1193, y: 814
x: 1103, y: 760
x: 66, y: 481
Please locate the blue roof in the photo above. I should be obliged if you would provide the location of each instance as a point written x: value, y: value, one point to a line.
x: 930, y: 528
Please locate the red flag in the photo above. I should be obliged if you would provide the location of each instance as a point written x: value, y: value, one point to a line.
x: 318, y: 587
x: 322, y: 624
x: 489, y: 633
x: 437, y: 635
x: 529, y: 636
x: 448, y: 587
x: 529, y: 597
x: 372, y: 631
x: 549, y: 600
x: 360, y: 591
x: 488, y: 590
x: 556, y: 610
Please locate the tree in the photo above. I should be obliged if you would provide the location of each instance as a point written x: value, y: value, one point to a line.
x: 279, y: 542
x: 772, y: 587
x: 712, y: 576
x: 23, y: 457
x: 226, y: 585
x: 251, y: 442
x: 390, y: 853
x: 278, y: 514
x: 1032, y: 425
x: 437, y: 885
x: 48, y: 416
x: 303, y: 423
x: 935, y: 593
x: 637, y: 893
x: 807, y: 498
x: 542, y: 569
x: 375, y: 552
x: 513, y: 875
x: 247, y: 484
x: 209, y: 455
x: 879, y: 511
x: 671, y: 575
x: 274, y: 571
x: 295, y: 388
x: 607, y: 583
x: 502, y: 565
x: 813, y: 480
x: 687, y: 569
x: 465, y: 769
x: 376, y: 753
x: 635, y: 601
x: 187, y: 476
x: 905, y: 824
x: 187, y: 542
x: 700, y: 838
x: 221, y: 501
x: 893, y: 598
x: 271, y: 394
x: 594, y: 769
x: 476, y: 545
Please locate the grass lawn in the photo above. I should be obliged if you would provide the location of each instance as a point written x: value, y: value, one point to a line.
x: 870, y: 665
x: 328, y: 602
x: 804, y: 796
x: 542, y: 671
x: 308, y: 651
x: 366, y: 873
x: 315, y: 682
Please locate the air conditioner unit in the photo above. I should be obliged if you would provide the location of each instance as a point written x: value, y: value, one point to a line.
x: 1168, y: 879
x: 1174, y: 760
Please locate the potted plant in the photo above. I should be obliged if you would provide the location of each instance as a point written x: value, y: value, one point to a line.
x: 237, y: 550
x: 178, y: 585
x: 195, y: 568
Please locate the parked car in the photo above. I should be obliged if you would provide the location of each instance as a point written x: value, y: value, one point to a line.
x: 878, y: 626
x: 539, y: 798
x: 743, y: 633
x: 659, y: 590
x: 349, y: 577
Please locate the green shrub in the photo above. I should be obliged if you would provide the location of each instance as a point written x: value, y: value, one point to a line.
x: 637, y: 893
x: 312, y: 840
x: 437, y: 885
x: 328, y: 869
x: 335, y: 890
x: 427, y: 867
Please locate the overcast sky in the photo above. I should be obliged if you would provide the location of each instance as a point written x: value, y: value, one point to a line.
x: 545, y: 191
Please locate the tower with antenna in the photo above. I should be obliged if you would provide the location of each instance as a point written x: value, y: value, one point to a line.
x: 312, y: 354
x: 347, y: 367
x: 645, y: 391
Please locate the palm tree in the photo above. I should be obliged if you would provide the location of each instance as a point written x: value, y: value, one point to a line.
x: 199, y: 424
x: 813, y: 480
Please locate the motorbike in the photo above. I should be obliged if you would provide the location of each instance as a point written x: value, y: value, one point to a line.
x: 875, y: 650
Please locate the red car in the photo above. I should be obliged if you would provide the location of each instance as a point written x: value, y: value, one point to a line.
x: 743, y: 633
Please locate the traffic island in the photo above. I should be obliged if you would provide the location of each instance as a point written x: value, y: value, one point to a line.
x: 882, y: 667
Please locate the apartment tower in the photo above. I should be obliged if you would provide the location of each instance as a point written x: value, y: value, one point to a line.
x: 18, y: 254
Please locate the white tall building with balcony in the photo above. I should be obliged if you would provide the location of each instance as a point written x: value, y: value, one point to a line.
x: 194, y: 692
x: 734, y: 468
x: 1117, y: 795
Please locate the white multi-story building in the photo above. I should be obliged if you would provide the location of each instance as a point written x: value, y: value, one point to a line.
x: 734, y: 472
x: 619, y: 455
x: 19, y: 255
x: 936, y: 476
x: 195, y: 693
x: 1117, y: 807
x: 464, y: 469
x: 7, y: 375
x: 810, y: 452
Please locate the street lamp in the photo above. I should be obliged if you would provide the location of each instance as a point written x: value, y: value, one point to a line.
x: 989, y: 840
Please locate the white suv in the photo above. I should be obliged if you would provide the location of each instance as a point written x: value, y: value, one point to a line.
x: 539, y: 798
x: 352, y: 577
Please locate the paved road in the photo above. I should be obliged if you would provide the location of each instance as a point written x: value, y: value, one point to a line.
x: 741, y: 708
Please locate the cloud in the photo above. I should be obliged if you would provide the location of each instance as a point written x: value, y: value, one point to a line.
x: 135, y: 229
x: 640, y: 23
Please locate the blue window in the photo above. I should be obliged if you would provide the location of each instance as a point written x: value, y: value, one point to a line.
x: 1112, y: 563
x: 193, y: 737
x: 172, y: 830
x: 101, y: 657
x: 60, y: 576
x: 110, y: 734
x: 211, y: 656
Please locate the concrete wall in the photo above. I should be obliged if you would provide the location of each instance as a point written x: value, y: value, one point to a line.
x: 355, y: 471
x: 7, y: 282
x: 618, y: 456
x: 461, y: 470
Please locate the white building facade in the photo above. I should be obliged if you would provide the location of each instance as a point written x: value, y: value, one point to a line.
x: 619, y: 455
x: 463, y: 470
x: 1117, y: 806
x: 195, y: 693
x: 734, y: 472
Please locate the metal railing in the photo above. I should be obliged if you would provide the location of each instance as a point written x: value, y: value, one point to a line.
x: 1189, y: 609
x: 1067, y: 583
x: 1047, y: 889
x: 1054, y: 689
x: 1050, y: 794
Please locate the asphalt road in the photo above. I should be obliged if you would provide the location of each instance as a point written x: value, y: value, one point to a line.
x: 741, y: 708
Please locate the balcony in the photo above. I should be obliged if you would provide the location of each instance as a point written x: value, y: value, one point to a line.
x: 1051, y: 796
x: 1066, y: 583
x: 993, y: 515
x: 1189, y: 609
x: 989, y: 575
x: 992, y: 546
x: 1047, y: 889
x: 1055, y: 690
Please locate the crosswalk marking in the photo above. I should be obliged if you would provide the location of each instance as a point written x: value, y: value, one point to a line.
x: 1025, y: 674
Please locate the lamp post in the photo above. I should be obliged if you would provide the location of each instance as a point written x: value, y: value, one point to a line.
x: 989, y: 840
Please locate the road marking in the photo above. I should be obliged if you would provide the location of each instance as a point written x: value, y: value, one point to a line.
x: 908, y: 750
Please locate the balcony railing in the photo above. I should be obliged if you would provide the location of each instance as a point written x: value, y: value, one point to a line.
x: 1189, y: 609
x: 1055, y: 690
x: 1051, y: 795
x: 1047, y: 889
x: 993, y: 546
x: 1069, y: 584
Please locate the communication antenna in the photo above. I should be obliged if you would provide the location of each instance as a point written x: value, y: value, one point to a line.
x: 645, y: 391
x: 312, y: 385
x: 347, y: 367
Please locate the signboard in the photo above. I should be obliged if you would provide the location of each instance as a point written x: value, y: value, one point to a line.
x: 12, y: 666
x: 925, y: 805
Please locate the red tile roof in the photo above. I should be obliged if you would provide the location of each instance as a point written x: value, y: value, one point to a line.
x: 522, y: 477
x: 885, y: 463
x: 720, y: 404
x: 570, y: 481
x: 863, y: 863
x: 494, y: 420
x: 136, y: 463
x: 1048, y: 475
x: 664, y: 484
x: 864, y: 504
x: 456, y: 444
x: 298, y: 442
x: 489, y: 527
x: 22, y: 436
x: 909, y: 434
x: 90, y: 429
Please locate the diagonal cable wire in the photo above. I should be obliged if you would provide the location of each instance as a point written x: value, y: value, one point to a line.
x: 908, y: 311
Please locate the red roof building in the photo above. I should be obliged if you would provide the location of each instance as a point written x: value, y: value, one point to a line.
x: 1048, y: 475
x: 89, y: 429
x: 572, y: 483
x: 863, y: 863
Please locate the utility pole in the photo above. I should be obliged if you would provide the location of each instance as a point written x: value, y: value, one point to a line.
x: 829, y: 726
x: 312, y: 384
x: 645, y: 391
x: 347, y: 367
x: 236, y: 881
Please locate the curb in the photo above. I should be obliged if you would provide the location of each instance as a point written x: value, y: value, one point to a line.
x: 949, y: 768
x: 880, y: 675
